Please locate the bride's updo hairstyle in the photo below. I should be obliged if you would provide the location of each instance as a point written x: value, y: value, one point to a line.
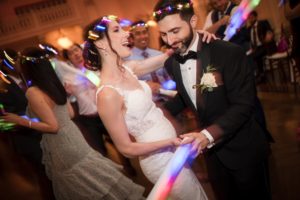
x: 95, y: 31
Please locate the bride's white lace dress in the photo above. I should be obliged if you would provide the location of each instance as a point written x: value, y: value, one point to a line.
x: 146, y: 123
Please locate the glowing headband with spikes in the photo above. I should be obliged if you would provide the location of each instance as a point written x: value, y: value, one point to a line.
x: 101, y: 26
x: 48, y: 48
x: 34, y: 59
x: 141, y: 24
x: 170, y: 9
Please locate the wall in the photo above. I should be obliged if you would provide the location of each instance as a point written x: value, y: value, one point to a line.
x: 88, y: 10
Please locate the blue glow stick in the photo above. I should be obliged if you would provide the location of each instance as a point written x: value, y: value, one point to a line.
x: 165, y: 182
x: 239, y: 16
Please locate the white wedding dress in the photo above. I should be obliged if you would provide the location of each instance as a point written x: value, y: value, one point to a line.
x: 146, y: 123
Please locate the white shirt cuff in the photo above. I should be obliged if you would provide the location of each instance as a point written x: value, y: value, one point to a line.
x: 209, y: 137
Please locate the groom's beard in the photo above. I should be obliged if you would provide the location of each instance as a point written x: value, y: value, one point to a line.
x: 185, y: 43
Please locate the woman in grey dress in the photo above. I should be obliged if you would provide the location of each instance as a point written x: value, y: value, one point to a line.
x: 75, y: 169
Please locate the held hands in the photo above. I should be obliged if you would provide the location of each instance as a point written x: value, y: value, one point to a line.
x: 199, y: 141
x: 207, y: 36
x: 176, y: 141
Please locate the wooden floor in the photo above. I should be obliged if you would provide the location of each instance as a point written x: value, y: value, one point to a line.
x: 283, y: 116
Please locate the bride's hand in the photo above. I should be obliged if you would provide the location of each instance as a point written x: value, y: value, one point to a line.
x: 207, y: 36
x: 176, y: 141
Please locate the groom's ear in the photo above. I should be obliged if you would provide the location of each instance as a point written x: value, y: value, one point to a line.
x: 193, y: 21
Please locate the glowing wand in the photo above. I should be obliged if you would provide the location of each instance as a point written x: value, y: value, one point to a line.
x: 165, y: 182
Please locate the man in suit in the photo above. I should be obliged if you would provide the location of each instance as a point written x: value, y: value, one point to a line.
x: 218, y: 19
x: 262, y: 41
x: 140, y: 36
x: 216, y: 81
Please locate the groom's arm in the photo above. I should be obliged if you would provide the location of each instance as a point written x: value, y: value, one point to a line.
x: 240, y: 93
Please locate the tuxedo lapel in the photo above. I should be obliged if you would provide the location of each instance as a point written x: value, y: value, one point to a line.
x: 205, y: 61
x: 199, y: 99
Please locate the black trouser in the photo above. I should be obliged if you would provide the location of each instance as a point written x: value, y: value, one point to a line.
x: 250, y: 182
x: 93, y: 130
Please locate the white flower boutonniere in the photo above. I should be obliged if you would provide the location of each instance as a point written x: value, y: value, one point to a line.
x: 208, y: 80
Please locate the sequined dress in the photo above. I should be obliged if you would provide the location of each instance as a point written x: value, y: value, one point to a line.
x: 77, y: 171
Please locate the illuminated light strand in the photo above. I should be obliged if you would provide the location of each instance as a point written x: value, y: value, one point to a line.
x: 165, y: 182
x: 101, y: 26
x: 10, y: 59
x: 142, y: 24
x: 125, y: 22
x: 8, y: 65
x: 170, y: 8
x: 2, y: 111
x: 169, y: 85
x: 239, y: 17
x: 2, y: 76
x: 48, y: 48
x: 35, y: 59
x: 31, y: 119
x: 93, y: 78
x: 5, y: 126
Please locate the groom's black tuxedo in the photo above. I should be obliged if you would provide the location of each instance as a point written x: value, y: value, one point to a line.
x: 227, y: 112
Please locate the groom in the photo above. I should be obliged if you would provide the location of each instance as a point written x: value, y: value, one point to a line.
x: 216, y: 81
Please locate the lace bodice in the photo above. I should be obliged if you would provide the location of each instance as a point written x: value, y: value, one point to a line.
x: 141, y: 113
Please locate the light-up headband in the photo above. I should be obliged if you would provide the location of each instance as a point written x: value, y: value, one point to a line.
x: 101, y: 26
x: 172, y: 9
x: 140, y: 24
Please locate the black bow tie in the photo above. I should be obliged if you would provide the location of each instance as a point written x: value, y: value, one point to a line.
x: 183, y: 59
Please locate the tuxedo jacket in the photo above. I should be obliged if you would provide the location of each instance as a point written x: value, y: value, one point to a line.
x: 228, y: 111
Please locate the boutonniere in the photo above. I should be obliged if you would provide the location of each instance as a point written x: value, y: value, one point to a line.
x: 208, y: 80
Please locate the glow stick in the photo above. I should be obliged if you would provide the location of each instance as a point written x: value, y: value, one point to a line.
x: 2, y: 76
x: 239, y: 17
x: 5, y: 126
x: 165, y: 182
x: 31, y: 119
x: 169, y: 85
x: 93, y: 78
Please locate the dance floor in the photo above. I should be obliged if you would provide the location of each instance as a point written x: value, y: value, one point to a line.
x: 283, y: 116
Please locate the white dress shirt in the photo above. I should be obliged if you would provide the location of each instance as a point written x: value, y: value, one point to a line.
x: 188, y: 73
x: 252, y: 35
x: 208, y: 21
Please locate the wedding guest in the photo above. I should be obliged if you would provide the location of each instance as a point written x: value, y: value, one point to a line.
x: 141, y: 50
x: 76, y: 170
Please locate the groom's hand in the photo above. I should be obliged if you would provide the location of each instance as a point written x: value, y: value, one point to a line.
x: 198, y: 140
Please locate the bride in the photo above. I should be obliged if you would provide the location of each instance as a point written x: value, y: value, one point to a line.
x: 125, y: 105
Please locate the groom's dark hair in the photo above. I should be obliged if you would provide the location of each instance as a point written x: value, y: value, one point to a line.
x: 164, y: 8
